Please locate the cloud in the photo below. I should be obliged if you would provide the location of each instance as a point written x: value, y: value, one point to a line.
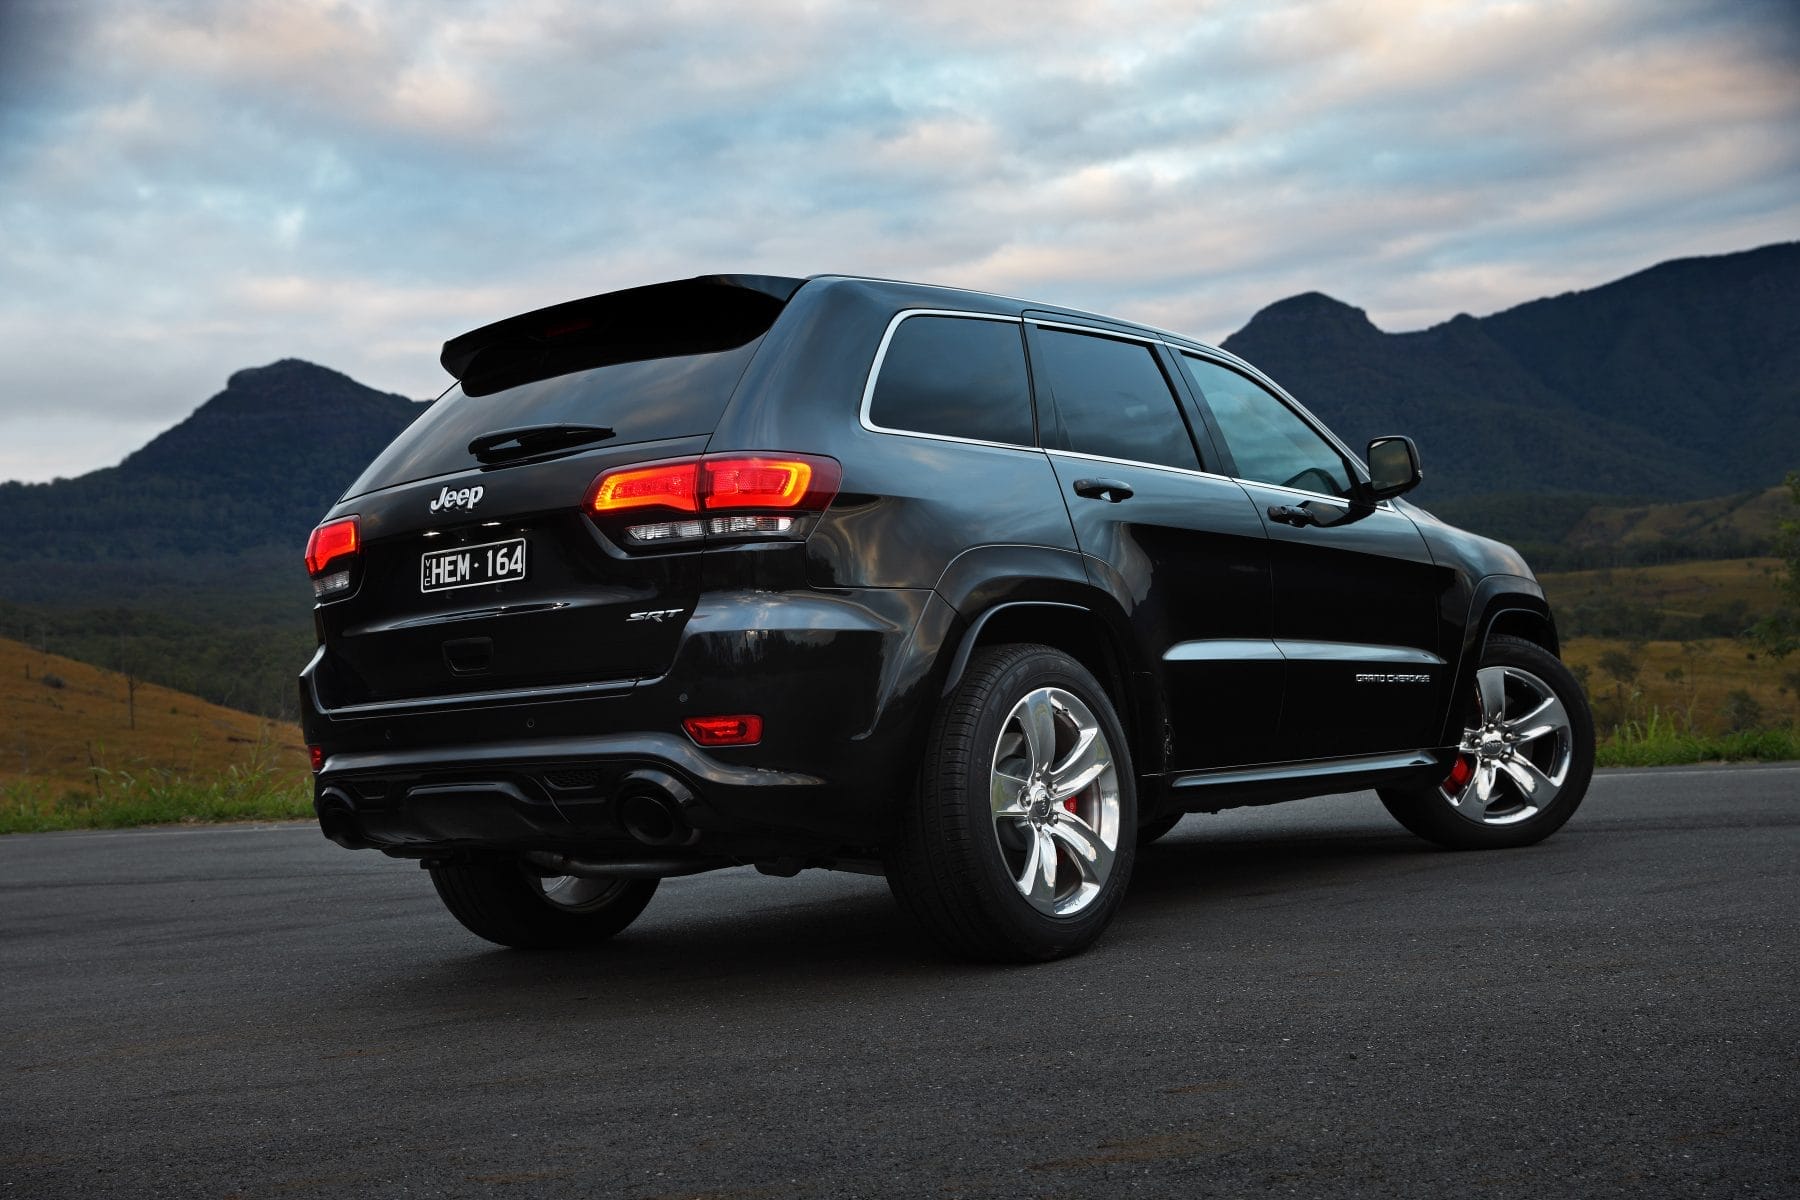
x: 194, y: 186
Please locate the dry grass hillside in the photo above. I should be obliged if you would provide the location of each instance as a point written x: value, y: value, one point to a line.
x: 1745, y: 587
x: 1746, y: 517
x: 67, y: 726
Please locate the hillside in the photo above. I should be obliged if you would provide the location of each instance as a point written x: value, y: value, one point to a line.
x: 1579, y: 530
x: 1716, y: 598
x: 66, y: 726
x: 209, y: 519
x: 1676, y: 383
x: 183, y: 563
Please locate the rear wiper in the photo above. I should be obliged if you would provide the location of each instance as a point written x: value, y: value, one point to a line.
x: 503, y: 444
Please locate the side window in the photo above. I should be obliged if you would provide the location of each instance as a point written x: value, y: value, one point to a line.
x: 1267, y: 438
x: 958, y: 376
x: 1112, y: 400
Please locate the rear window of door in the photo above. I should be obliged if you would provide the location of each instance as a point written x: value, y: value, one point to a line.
x: 1112, y: 399
x: 959, y: 377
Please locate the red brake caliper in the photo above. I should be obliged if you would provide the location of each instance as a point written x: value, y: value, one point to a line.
x: 1461, y: 771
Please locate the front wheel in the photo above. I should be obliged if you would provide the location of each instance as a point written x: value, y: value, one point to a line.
x: 1524, y: 761
x: 505, y: 901
x: 1019, y: 841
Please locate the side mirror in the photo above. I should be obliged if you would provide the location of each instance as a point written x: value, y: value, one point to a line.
x: 1393, y: 467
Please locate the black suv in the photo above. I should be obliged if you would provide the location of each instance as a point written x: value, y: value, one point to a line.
x: 978, y: 594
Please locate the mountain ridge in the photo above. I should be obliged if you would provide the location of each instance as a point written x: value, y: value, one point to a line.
x: 185, y: 557
x: 1679, y: 381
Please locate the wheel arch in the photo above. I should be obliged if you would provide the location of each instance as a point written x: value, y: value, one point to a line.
x: 1083, y: 634
x: 1533, y: 624
x: 1501, y: 605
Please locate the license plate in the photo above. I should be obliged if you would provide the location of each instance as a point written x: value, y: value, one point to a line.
x: 472, y: 566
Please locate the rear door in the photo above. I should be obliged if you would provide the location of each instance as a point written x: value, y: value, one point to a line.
x: 1177, y: 544
x: 1356, y: 591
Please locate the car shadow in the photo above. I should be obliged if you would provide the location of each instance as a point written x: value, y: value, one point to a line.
x: 758, y: 940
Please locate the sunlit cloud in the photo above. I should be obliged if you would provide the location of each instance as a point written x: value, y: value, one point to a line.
x: 190, y: 188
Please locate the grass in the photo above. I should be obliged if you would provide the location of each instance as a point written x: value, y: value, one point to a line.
x: 119, y: 800
x: 1684, y: 589
x: 69, y: 726
x: 1657, y: 742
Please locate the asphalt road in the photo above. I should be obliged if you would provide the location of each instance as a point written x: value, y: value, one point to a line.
x: 1294, y: 1001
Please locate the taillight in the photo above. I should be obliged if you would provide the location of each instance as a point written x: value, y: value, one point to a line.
x: 744, y: 729
x: 766, y: 496
x: 330, y: 553
x: 666, y: 485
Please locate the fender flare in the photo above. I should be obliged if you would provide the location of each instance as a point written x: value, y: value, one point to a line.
x: 1494, y: 597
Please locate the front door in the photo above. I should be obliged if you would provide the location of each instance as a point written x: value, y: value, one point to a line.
x: 1356, y: 591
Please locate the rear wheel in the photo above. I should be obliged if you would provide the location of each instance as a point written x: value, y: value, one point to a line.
x: 505, y: 901
x: 1524, y: 761
x: 1019, y: 842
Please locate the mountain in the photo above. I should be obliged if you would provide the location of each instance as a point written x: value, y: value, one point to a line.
x: 1678, y: 382
x: 225, y: 498
x: 1551, y: 424
x: 182, y: 565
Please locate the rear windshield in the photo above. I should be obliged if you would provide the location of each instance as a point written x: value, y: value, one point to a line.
x: 641, y: 401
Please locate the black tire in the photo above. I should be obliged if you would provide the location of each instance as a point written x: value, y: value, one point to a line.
x: 1435, y: 816
x: 947, y: 866
x: 1149, y: 831
x: 502, y: 900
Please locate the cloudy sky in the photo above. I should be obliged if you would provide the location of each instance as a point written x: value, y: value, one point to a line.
x: 188, y: 187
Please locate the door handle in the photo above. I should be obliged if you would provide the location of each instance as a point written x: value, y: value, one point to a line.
x: 1293, y: 515
x: 1110, y: 490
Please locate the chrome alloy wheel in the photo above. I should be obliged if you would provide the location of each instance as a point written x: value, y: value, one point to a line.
x: 573, y: 893
x: 1055, y: 797
x: 1511, y: 767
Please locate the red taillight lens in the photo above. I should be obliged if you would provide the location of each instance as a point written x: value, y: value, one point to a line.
x: 756, y: 482
x: 330, y: 542
x: 665, y: 485
x: 742, y: 484
x: 317, y: 755
x: 743, y: 729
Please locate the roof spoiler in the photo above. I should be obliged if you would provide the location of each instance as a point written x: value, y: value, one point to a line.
x: 707, y: 313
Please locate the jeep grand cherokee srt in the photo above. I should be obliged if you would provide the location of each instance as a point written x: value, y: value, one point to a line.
x: 975, y: 593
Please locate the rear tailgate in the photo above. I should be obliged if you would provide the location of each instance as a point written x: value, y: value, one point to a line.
x: 479, y: 576
x: 427, y: 618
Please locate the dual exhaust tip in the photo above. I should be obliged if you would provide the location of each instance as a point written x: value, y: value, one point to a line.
x: 649, y: 805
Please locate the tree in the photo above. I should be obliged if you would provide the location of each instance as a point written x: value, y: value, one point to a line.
x: 1778, y: 634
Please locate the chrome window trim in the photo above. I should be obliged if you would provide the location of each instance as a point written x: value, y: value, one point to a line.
x: 1118, y: 335
x: 1132, y: 462
x: 1344, y: 502
x: 887, y: 337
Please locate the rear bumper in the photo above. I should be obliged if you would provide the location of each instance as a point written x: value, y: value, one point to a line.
x: 563, y: 793
x: 842, y: 682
